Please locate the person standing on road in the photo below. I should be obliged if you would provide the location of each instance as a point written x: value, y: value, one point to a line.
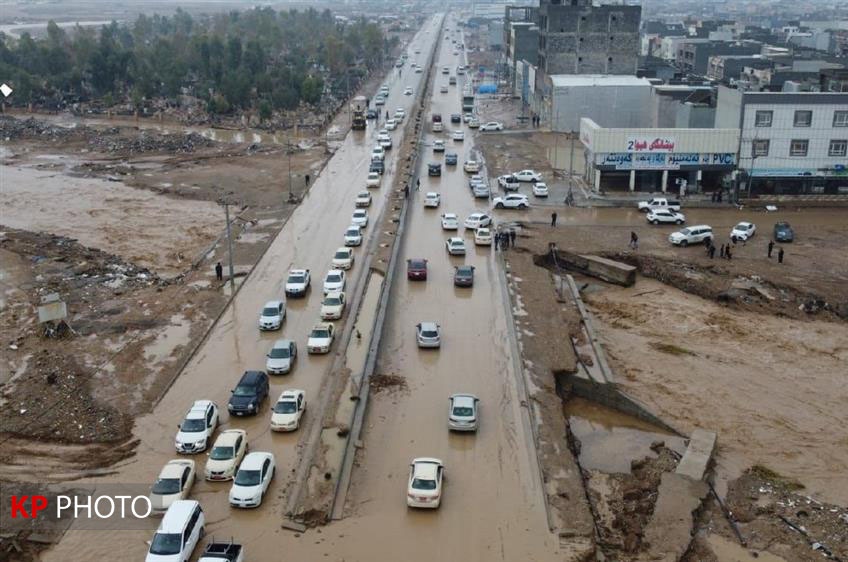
x: 512, y: 237
x: 634, y: 241
x: 306, y: 178
x: 417, y: 184
x: 406, y: 190
x: 712, y: 251
x: 770, y: 248
x: 780, y: 256
x: 727, y: 253
x: 553, y: 218
x: 219, y: 271
x: 721, y: 254
x: 496, y: 239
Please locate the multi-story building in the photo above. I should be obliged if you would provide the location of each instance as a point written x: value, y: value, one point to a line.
x: 523, y: 45
x: 576, y: 37
x: 693, y: 55
x: 790, y: 143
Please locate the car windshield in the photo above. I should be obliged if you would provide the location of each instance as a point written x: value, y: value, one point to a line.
x: 296, y: 279
x: 464, y: 411
x: 166, y: 486
x: 686, y: 232
x: 166, y: 543
x: 352, y: 232
x: 342, y: 255
x: 332, y: 301
x: 429, y: 333
x: 243, y: 390
x: 483, y: 232
x: 423, y: 484
x: 285, y: 407
x: 322, y: 333
x: 334, y: 278
x: 464, y: 272
x: 280, y: 353
x: 222, y: 453
x: 270, y: 311
x: 416, y: 265
x: 193, y: 426
x: 247, y: 478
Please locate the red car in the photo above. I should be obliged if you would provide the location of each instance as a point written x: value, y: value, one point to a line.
x: 416, y: 270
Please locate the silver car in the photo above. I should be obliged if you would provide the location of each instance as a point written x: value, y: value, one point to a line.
x: 463, y: 413
x: 428, y: 334
x: 281, y: 357
x: 272, y: 315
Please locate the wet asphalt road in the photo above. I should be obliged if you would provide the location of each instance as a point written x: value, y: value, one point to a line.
x: 308, y: 240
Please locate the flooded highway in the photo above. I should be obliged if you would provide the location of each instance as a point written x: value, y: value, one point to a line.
x: 235, y: 344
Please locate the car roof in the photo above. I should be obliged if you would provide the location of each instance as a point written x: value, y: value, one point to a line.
x: 273, y: 304
x: 253, y: 461
x: 418, y: 261
x: 334, y: 294
x: 465, y: 268
x: 476, y: 215
x: 699, y: 226
x: 282, y: 343
x: 336, y: 271
x: 198, y: 409
x: 426, y: 467
x: 297, y: 272
x: 290, y: 394
x: 429, y: 326
x: 364, y: 193
x: 745, y: 223
x: 177, y: 515
x: 483, y: 229
x: 322, y: 326
x: 360, y: 212
x: 432, y: 194
x: 449, y: 216
x: 174, y: 468
x: 463, y: 399
x: 251, y: 377
x: 354, y: 226
x: 344, y: 249
x: 229, y: 437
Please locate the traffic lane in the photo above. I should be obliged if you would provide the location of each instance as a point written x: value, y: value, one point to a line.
x: 308, y: 240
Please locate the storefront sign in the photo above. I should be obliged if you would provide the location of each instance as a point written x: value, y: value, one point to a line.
x: 664, y: 161
x: 650, y: 144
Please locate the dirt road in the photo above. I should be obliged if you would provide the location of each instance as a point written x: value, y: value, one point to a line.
x: 308, y: 240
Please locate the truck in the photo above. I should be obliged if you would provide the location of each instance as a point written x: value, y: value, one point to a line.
x: 468, y: 100
x: 358, y: 108
x: 437, y: 122
x: 222, y: 552
x: 659, y: 203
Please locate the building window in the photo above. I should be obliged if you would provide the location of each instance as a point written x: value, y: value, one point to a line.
x: 838, y: 148
x: 763, y: 119
x: 803, y: 118
x: 840, y: 118
x: 759, y: 147
x: 799, y: 147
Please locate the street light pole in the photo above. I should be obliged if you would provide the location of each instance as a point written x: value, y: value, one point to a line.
x: 230, y: 245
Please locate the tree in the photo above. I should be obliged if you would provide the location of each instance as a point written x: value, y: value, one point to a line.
x: 311, y: 89
x: 265, y: 111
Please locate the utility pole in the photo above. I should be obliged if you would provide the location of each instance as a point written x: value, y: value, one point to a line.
x: 289, y: 153
x: 230, y: 245
x: 571, y: 165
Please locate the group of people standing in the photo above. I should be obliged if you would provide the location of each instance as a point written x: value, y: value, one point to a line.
x: 504, y: 239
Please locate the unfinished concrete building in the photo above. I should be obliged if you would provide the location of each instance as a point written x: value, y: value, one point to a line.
x: 576, y: 37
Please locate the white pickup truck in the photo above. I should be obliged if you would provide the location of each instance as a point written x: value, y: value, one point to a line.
x: 222, y: 552
x: 659, y: 203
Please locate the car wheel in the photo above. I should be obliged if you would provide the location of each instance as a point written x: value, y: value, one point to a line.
x: 684, y: 243
x: 499, y: 206
x: 202, y: 533
x: 522, y: 206
x: 655, y: 222
x: 678, y: 221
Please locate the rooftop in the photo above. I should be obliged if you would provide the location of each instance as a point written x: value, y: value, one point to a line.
x: 565, y: 80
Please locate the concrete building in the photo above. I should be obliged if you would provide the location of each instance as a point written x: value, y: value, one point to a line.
x: 657, y: 159
x: 496, y: 35
x: 790, y: 142
x: 680, y: 106
x: 728, y: 68
x: 609, y: 100
x: 693, y: 55
x: 523, y: 44
x: 576, y: 37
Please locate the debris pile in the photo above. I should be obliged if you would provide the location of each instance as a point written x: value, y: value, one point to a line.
x: 147, y: 142
x: 389, y: 382
x: 14, y: 129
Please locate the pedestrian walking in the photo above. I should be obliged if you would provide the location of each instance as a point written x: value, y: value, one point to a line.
x: 721, y: 254
x: 780, y: 256
x: 219, y: 271
x: 497, y: 239
x: 634, y: 241
x: 306, y: 177
x: 770, y: 248
x: 406, y: 190
x: 712, y: 251
x: 569, y: 199
x: 727, y: 253
x: 417, y: 184
x: 512, y: 237
x: 553, y: 219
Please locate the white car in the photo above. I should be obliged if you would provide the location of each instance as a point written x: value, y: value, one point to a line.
x: 425, y: 483
x: 297, y: 283
x: 400, y: 114
x: 428, y: 334
x: 174, y: 483
x: 507, y: 182
x: 353, y: 236
x: 432, y: 199
x: 385, y: 141
x: 333, y: 306
x: 178, y: 534
x: 252, y: 479
x: 450, y: 221
x: 743, y: 231
x: 511, y: 201
x: 379, y: 100
x: 197, y: 427
x: 363, y: 199
x: 483, y: 237
x: 281, y: 357
x: 438, y: 145
x: 391, y: 124
x: 463, y: 413
x: 272, y: 315
x: 343, y: 258
x: 458, y: 136
x: 407, y: 91
x: 471, y: 166
x: 226, y: 455
x: 665, y: 216
x: 288, y: 410
x: 455, y: 246
x: 418, y: 70
x: 474, y: 123
x: 699, y: 234
x: 334, y: 281
x: 373, y: 179
x: 477, y: 220
x: 443, y: 89
x: 528, y: 175
x: 540, y: 189
x: 378, y: 153
x: 492, y: 126
x: 359, y: 218
x: 320, y: 338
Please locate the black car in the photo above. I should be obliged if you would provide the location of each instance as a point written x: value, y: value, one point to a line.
x: 783, y: 232
x: 434, y: 170
x: 450, y: 159
x: 371, y: 114
x: 248, y: 395
x: 377, y: 166
x: 464, y: 276
x: 456, y: 118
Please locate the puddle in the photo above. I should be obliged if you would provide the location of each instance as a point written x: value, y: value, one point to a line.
x: 173, y: 336
x: 610, y: 440
x: 728, y: 551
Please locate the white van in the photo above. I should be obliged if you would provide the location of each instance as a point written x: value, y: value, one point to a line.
x: 179, y: 533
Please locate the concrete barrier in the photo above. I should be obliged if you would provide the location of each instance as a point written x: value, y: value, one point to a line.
x: 605, y: 269
x: 697, y: 457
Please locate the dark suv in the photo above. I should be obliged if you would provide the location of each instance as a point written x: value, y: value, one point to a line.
x: 450, y: 159
x: 377, y: 166
x: 248, y: 396
x: 434, y: 170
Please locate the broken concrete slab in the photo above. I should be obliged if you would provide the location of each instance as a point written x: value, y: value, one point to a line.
x: 697, y: 457
x: 669, y: 532
x: 606, y: 269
